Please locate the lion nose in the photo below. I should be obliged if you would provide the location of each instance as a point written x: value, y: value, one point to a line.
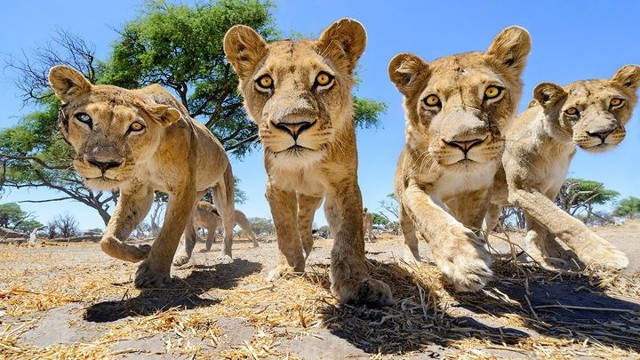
x: 466, y: 145
x: 104, y: 165
x: 600, y: 134
x: 294, y: 129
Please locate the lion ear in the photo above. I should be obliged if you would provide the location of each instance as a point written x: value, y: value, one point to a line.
x: 511, y: 48
x: 548, y: 94
x: 244, y: 48
x: 628, y: 76
x: 68, y: 83
x: 405, y: 69
x: 164, y: 114
x: 343, y: 42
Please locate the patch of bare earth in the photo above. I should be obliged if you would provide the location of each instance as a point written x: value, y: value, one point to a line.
x: 60, y: 300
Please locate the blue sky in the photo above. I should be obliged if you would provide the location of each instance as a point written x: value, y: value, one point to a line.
x: 571, y: 41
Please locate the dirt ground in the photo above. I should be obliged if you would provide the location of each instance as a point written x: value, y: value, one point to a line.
x: 69, y: 300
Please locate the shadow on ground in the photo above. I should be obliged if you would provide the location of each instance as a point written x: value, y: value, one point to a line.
x: 571, y: 307
x: 191, y: 292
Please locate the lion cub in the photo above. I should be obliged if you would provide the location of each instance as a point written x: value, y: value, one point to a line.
x: 541, y: 143
x: 299, y: 95
x: 207, y: 216
x: 456, y: 110
x: 139, y: 141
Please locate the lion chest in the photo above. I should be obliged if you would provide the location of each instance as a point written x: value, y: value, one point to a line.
x: 304, y: 181
x: 454, y: 184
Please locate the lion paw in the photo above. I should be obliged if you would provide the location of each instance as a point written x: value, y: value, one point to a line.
x: 369, y: 291
x: 181, y: 259
x: 610, y: 257
x: 146, y: 277
x: 465, y: 263
x: 280, y: 271
x: 224, y: 259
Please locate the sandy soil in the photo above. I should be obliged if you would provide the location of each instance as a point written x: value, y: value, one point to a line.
x: 69, y: 300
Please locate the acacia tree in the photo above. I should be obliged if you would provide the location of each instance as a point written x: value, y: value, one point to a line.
x: 628, y: 208
x: 577, y: 195
x: 178, y: 46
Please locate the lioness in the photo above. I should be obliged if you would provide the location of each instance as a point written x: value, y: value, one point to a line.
x: 589, y: 114
x: 207, y: 216
x: 367, y: 223
x: 139, y: 141
x: 299, y: 95
x: 456, y: 109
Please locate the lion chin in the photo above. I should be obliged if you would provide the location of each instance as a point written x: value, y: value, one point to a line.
x: 103, y: 184
x: 297, y: 157
x: 600, y: 148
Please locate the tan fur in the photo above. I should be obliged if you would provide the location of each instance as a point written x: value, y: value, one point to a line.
x: 443, y: 192
x: 367, y: 223
x: 171, y: 153
x: 540, y: 146
x: 207, y: 216
x: 298, y: 110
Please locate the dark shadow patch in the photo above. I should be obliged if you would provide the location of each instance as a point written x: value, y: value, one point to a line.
x: 414, y: 323
x: 189, y: 293
x: 571, y: 306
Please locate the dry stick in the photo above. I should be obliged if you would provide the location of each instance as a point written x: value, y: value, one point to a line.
x: 584, y: 308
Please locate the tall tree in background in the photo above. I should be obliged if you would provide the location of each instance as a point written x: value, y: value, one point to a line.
x: 628, y: 208
x: 33, y: 153
x: 178, y: 46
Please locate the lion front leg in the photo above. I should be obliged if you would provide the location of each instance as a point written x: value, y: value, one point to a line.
x: 350, y: 278
x: 132, y: 207
x: 461, y: 256
x: 283, y: 206
x: 589, y: 247
x: 189, y: 237
x: 155, y: 271
x: 307, y: 206
x: 411, y: 251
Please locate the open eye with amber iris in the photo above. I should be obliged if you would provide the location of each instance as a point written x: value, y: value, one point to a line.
x: 324, y: 79
x: 136, y: 127
x: 265, y: 82
x: 492, y: 92
x: 432, y: 101
x: 616, y: 103
x: 572, y: 112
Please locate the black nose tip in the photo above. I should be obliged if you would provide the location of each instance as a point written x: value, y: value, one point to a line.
x: 602, y: 135
x: 294, y: 129
x: 104, y: 165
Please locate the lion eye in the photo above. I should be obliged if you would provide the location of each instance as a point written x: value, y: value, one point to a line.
x: 572, y: 111
x: 432, y: 100
x: 323, y: 79
x: 492, y: 92
x: 265, y: 82
x: 616, y: 103
x: 136, y: 126
x: 84, y: 118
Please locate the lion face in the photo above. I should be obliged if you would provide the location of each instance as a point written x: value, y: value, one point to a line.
x: 458, y: 106
x: 112, y: 130
x: 297, y: 92
x: 592, y: 112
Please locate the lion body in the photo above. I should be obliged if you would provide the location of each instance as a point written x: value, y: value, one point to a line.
x: 456, y: 110
x: 540, y: 146
x: 138, y: 141
x: 299, y: 95
x: 207, y: 216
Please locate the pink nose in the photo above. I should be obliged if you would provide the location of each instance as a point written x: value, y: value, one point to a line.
x: 294, y: 129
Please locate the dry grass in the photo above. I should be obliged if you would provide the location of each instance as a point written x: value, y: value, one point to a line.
x: 526, y: 311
